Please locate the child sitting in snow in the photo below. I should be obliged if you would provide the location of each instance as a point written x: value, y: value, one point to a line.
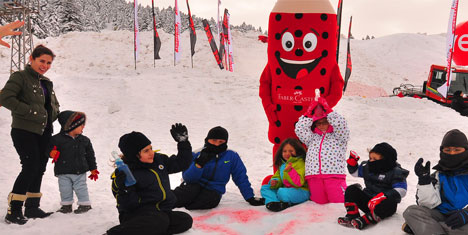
x: 326, y: 134
x: 442, y: 197
x: 207, y: 176
x: 287, y: 186
x: 73, y: 156
x: 146, y: 206
x: 385, y: 182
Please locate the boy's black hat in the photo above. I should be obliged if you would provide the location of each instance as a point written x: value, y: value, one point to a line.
x: 131, y: 144
x: 217, y: 133
x: 70, y: 120
x: 386, y: 150
x: 454, y: 138
x: 457, y: 93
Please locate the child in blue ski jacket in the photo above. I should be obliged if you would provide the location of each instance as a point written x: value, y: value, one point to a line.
x: 442, y: 198
x: 206, y: 178
x: 288, y: 185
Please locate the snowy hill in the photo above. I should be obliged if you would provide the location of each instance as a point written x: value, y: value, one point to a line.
x: 94, y: 73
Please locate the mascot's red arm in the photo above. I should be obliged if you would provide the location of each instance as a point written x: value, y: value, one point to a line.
x: 265, y: 95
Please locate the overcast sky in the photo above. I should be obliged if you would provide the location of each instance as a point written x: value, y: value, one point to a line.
x: 370, y: 17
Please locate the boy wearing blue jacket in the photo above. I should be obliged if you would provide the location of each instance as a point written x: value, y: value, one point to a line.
x: 206, y: 178
x: 441, y: 197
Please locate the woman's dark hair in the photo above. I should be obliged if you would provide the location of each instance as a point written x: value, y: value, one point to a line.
x: 296, y: 144
x: 41, y: 50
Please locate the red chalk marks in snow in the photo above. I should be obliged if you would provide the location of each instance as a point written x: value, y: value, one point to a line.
x: 215, y: 228
x: 288, y: 228
x: 236, y: 216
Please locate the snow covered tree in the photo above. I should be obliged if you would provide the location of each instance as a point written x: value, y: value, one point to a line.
x: 70, y: 17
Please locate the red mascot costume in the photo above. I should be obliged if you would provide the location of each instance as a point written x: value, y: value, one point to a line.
x: 302, y: 41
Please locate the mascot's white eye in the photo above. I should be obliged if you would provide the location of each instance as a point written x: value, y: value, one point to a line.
x: 310, y: 42
x: 287, y: 41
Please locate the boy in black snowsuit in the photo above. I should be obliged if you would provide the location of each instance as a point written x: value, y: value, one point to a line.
x: 73, y: 155
x: 385, y: 182
x: 146, y: 207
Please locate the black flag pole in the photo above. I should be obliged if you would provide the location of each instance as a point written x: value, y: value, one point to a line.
x: 193, y: 34
x: 349, y: 64
x: 338, y: 15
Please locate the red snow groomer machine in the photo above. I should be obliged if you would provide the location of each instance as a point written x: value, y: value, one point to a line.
x: 437, y: 77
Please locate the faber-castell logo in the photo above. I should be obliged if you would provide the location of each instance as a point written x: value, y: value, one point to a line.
x: 297, y: 97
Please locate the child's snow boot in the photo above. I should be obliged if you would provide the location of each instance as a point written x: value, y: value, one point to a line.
x: 31, y: 205
x: 15, y: 209
x: 352, y: 212
x: 406, y: 228
x: 82, y: 209
x: 65, y: 209
x: 277, y: 206
x: 363, y: 221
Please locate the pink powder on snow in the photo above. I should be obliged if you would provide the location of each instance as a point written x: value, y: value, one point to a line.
x: 239, y: 216
x: 215, y: 228
x: 366, y: 91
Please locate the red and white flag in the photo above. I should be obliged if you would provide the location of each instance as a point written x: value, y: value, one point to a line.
x: 136, y: 39
x: 450, y: 39
x: 177, y: 27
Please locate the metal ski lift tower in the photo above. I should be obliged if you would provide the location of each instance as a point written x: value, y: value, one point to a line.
x: 22, y: 45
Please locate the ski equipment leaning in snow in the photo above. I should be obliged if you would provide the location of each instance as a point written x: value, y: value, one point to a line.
x: 146, y: 207
x: 442, y: 197
x: 206, y: 178
x: 385, y: 183
x: 212, y: 42
x: 287, y: 186
x: 31, y: 98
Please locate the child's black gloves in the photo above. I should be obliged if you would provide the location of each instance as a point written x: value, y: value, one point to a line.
x: 179, y: 132
x: 204, y: 158
x: 255, y: 201
x: 119, y: 180
x: 423, y: 172
x: 457, y: 218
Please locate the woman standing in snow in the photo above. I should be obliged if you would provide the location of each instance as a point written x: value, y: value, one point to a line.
x: 31, y: 98
x: 326, y: 135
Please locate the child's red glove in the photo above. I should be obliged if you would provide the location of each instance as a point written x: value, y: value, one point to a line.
x: 310, y: 111
x: 54, y: 154
x: 94, y: 175
x: 324, y: 104
x: 374, y: 202
x: 353, y: 158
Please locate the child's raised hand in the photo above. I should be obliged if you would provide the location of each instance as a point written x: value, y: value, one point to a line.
x: 273, y: 183
x: 353, y: 158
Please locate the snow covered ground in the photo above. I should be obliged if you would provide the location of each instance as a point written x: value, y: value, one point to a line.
x: 94, y: 73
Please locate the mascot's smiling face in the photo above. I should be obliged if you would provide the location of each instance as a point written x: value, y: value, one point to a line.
x: 298, y: 43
